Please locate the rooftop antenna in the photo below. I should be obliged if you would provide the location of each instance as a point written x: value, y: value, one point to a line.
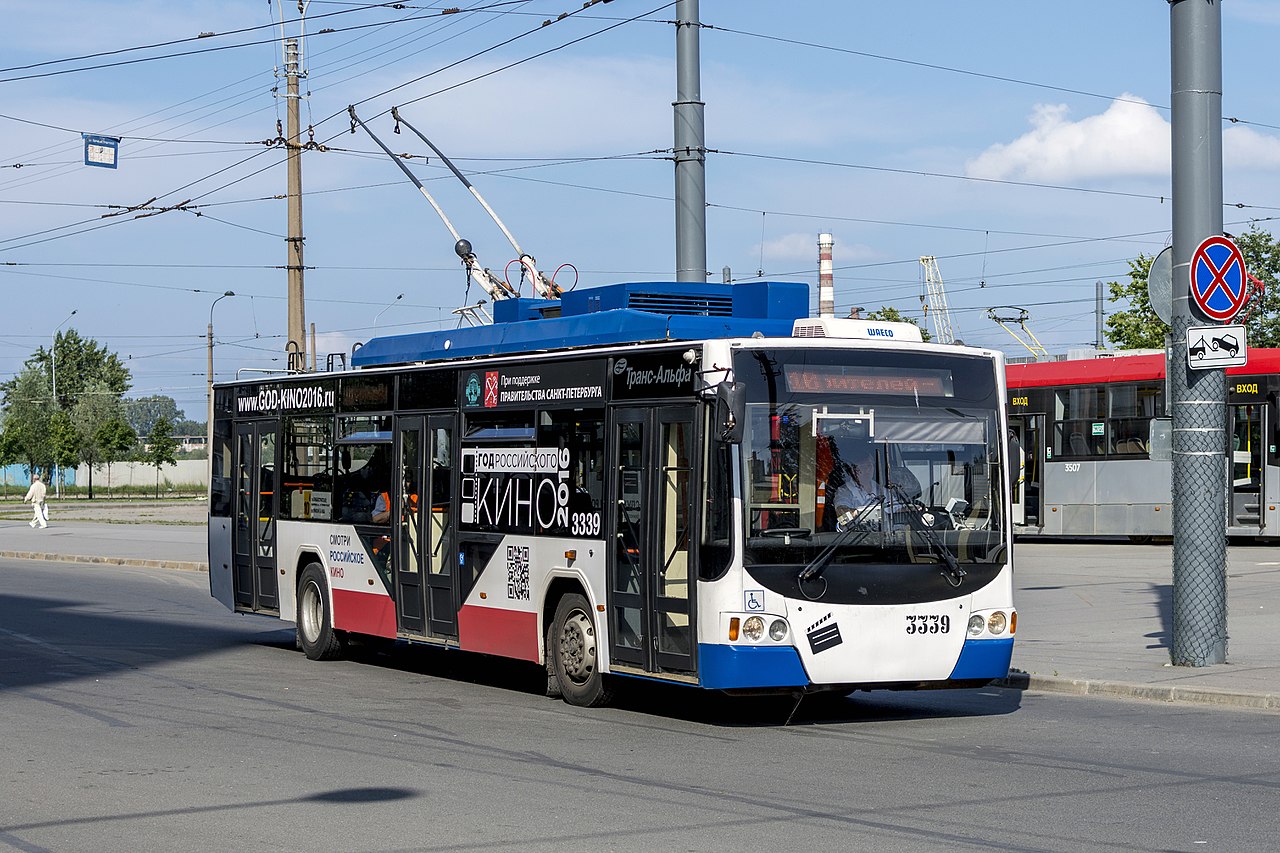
x: 545, y: 287
x: 1005, y: 315
x: 494, y: 286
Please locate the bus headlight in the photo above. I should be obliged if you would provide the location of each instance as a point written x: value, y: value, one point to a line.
x: 777, y: 630
x: 996, y: 622
x: 753, y: 628
x: 976, y: 624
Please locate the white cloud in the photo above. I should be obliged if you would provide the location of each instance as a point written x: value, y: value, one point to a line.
x: 1130, y: 139
x: 1245, y: 148
x: 803, y: 246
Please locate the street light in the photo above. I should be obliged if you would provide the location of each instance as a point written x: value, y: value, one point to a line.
x: 383, y: 311
x: 53, y: 366
x: 209, y: 425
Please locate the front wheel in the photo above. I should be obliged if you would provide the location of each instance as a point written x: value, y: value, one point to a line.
x: 575, y: 653
x: 315, y: 618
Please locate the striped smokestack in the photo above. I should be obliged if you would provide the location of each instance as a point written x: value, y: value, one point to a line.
x: 826, y: 280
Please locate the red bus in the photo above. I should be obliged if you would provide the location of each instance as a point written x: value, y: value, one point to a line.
x: 1091, y: 450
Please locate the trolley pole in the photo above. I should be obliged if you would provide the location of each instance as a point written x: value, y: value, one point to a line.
x: 297, y: 343
x: 690, y: 148
x: 1198, y: 397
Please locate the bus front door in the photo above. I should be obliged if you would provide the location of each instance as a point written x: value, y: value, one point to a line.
x: 426, y: 600
x: 1025, y: 451
x: 254, y: 582
x: 1247, y: 430
x: 651, y: 574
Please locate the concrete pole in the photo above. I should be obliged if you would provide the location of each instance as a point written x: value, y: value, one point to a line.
x: 1097, y: 315
x: 690, y: 149
x: 1197, y: 396
x: 297, y: 343
x: 209, y: 392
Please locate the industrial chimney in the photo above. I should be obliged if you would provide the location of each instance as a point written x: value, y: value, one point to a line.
x: 826, y: 280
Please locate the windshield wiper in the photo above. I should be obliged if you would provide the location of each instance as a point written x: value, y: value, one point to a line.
x: 857, y: 524
x: 917, y: 522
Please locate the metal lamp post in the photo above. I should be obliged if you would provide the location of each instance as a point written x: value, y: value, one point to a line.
x: 53, y: 367
x: 377, y: 316
x: 209, y: 425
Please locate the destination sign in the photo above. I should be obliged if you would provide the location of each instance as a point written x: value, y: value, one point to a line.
x: 841, y: 379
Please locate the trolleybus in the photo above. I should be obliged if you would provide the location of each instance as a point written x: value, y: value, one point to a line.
x: 634, y: 481
x: 1091, y: 447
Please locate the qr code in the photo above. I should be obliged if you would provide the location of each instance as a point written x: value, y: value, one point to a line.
x: 518, y: 572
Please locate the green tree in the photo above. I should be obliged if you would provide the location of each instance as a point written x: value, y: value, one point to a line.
x: 160, y: 448
x: 80, y: 363
x: 1262, y: 259
x: 1138, y: 327
x: 115, y: 438
x: 888, y: 314
x: 64, y: 444
x: 98, y: 405
x: 27, y: 409
x: 143, y: 412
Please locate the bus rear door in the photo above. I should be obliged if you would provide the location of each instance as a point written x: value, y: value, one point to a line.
x: 254, y: 537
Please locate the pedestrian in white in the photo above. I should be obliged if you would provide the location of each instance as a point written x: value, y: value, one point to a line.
x: 35, y: 494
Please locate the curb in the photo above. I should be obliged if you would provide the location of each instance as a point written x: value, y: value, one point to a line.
x: 1216, y: 696
x: 177, y: 565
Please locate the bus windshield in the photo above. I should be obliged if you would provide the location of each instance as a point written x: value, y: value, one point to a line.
x: 864, y: 457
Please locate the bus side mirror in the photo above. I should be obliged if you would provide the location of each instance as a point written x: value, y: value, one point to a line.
x: 731, y: 412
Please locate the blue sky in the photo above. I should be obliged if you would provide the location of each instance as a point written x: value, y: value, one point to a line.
x: 1024, y: 144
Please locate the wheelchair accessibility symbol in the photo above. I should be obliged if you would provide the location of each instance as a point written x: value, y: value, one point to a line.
x: 753, y: 599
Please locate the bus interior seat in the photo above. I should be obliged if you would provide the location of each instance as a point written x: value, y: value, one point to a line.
x: 1079, y: 447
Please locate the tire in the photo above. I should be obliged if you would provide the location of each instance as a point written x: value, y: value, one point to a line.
x: 574, y: 654
x: 315, y: 631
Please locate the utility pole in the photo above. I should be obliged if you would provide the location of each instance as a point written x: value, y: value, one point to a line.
x: 1097, y: 315
x: 297, y: 343
x: 1198, y: 397
x: 690, y: 148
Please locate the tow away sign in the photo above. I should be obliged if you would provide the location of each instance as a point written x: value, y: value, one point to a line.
x: 1216, y: 346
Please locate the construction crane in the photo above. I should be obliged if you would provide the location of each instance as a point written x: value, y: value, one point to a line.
x: 497, y: 288
x: 1006, y: 315
x: 935, y: 308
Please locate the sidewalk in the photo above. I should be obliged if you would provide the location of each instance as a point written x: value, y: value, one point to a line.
x: 1098, y: 619
x: 163, y: 546
x: 1093, y: 619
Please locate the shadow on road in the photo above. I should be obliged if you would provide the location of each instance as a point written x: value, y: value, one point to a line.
x: 695, y: 704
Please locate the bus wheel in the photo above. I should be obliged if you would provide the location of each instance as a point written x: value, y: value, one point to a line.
x: 315, y: 621
x: 574, y: 653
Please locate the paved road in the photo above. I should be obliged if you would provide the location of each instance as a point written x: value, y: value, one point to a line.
x: 1092, y: 617
x: 137, y: 715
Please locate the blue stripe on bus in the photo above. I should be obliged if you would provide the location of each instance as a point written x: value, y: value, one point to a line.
x: 727, y: 667
x: 984, y: 659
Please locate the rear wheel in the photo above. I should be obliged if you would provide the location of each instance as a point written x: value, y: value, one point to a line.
x: 575, y: 653
x: 315, y: 618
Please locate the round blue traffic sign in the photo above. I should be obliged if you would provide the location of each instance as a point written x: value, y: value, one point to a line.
x: 1218, y: 282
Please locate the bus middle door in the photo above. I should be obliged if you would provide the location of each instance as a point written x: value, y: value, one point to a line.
x: 426, y: 598
x: 651, y: 576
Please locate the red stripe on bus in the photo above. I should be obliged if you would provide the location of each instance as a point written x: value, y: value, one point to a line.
x: 1121, y: 368
x: 509, y: 633
x: 364, y: 613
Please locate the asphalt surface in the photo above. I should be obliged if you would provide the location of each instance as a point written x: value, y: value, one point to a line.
x: 1093, y: 618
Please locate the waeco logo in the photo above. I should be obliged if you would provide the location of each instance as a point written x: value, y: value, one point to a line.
x: 880, y: 333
